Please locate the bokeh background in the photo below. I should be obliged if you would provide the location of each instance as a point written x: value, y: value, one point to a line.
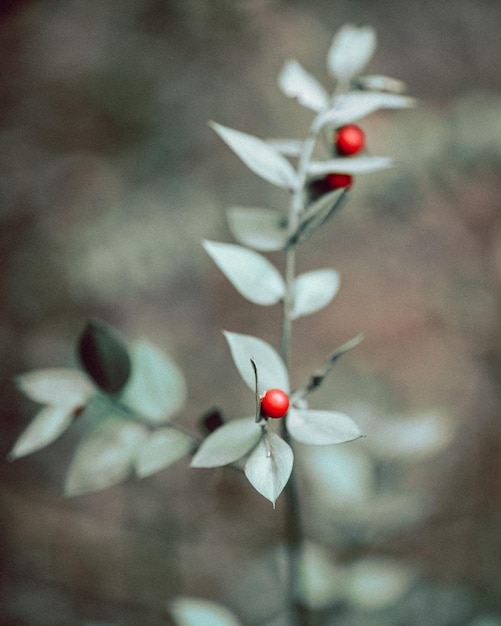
x: 109, y: 179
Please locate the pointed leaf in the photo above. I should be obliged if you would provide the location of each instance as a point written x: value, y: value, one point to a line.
x: 105, y: 456
x: 259, y: 156
x: 162, y: 448
x: 287, y: 147
x: 319, y: 428
x: 156, y: 389
x: 228, y: 443
x: 355, y: 165
x: 272, y: 372
x: 197, y: 612
x: 351, y: 49
x: 252, y: 275
x: 269, y: 466
x: 104, y: 356
x: 318, y: 213
x: 57, y: 386
x: 313, y: 290
x: 261, y: 229
x: 378, y: 82
x: 354, y: 105
x: 46, y: 427
x: 296, y: 82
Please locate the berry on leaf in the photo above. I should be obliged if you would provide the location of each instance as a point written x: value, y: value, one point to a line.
x: 349, y: 140
x: 274, y: 403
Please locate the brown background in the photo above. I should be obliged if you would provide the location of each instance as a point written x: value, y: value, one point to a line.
x: 109, y: 178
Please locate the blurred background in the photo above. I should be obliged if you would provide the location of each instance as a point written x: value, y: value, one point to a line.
x: 109, y: 178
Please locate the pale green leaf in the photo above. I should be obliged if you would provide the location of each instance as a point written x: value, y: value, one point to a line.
x: 105, y: 456
x: 272, y: 373
x: 296, y: 82
x: 318, y: 428
x: 188, y: 611
x: 354, y: 105
x: 354, y: 165
x: 351, y: 49
x: 252, y: 275
x: 261, y: 229
x: 287, y: 147
x: 321, y: 582
x: 318, y: 214
x: 160, y: 449
x: 377, y: 583
x: 57, y: 386
x: 228, y: 443
x: 259, y: 156
x: 156, y: 388
x: 313, y: 290
x: 379, y: 82
x: 269, y: 466
x: 46, y: 427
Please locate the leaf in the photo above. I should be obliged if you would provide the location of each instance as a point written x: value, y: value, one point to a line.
x: 269, y: 466
x: 353, y: 165
x: 259, y: 156
x: 162, y: 448
x: 378, y: 82
x: 46, y: 427
x: 261, y: 229
x: 105, y: 456
x: 197, y: 612
x: 320, y: 428
x: 272, y: 372
x: 104, y: 356
x: 228, y: 443
x: 252, y: 275
x: 376, y: 583
x: 156, y: 389
x: 321, y: 582
x: 296, y: 82
x: 318, y: 213
x: 57, y: 386
x: 287, y: 147
x: 354, y: 105
x: 313, y: 290
x: 351, y: 49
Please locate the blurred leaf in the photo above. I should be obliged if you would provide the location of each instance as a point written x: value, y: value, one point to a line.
x: 162, y: 448
x: 296, y: 82
x: 105, y: 456
x: 261, y: 229
x: 415, y: 438
x: 269, y: 466
x: 353, y: 165
x: 272, y: 372
x: 156, y: 389
x: 351, y: 49
x: 197, y: 612
x: 287, y: 147
x: 354, y: 105
x: 104, y: 356
x: 57, y: 386
x: 259, y: 156
x: 46, y: 427
x: 321, y: 427
x: 378, y: 82
x: 252, y: 275
x: 322, y: 583
x: 378, y: 583
x: 313, y: 290
x: 228, y: 443
x: 318, y: 213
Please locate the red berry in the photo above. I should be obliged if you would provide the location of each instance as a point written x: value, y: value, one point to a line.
x: 336, y: 181
x: 274, y: 403
x: 349, y: 139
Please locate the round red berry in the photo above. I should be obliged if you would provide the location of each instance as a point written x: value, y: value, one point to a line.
x: 349, y: 139
x: 336, y: 181
x: 274, y: 403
